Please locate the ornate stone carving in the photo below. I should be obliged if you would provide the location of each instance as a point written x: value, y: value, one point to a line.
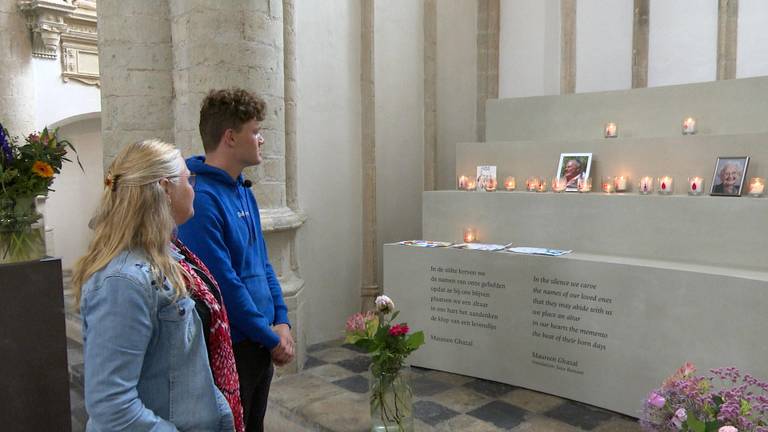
x: 70, y: 24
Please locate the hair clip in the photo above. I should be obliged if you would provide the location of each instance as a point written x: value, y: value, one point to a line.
x: 111, y: 181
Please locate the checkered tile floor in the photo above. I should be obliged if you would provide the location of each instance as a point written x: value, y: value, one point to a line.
x: 331, y: 394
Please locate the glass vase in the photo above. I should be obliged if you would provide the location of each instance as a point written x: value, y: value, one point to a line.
x: 391, y: 400
x: 22, y: 234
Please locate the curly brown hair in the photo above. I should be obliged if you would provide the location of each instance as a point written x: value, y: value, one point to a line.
x: 228, y: 109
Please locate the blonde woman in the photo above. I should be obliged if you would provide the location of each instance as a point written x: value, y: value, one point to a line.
x: 146, y: 367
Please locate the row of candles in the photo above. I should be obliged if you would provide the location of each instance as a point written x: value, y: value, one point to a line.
x: 646, y: 185
x: 611, y: 130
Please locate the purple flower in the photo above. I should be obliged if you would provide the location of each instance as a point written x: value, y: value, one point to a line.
x: 656, y: 400
x: 6, y: 147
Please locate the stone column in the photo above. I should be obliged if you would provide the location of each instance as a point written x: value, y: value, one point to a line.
x: 370, y: 276
x: 136, y: 73
x: 241, y: 44
x: 488, y: 33
x: 17, y: 101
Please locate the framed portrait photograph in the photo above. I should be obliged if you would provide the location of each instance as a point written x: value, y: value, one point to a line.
x: 572, y: 167
x: 730, y: 172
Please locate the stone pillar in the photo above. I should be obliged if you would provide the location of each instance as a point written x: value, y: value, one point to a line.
x: 136, y: 73
x: 370, y: 276
x: 17, y: 92
x: 241, y: 44
x: 488, y: 34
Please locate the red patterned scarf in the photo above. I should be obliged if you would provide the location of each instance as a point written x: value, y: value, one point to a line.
x: 220, y: 353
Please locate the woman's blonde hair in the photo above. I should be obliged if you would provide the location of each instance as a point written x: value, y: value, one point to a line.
x: 135, y: 213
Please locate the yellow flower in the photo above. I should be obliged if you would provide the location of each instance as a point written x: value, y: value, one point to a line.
x: 42, y: 169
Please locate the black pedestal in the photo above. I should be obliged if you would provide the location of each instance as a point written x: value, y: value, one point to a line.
x: 34, y: 379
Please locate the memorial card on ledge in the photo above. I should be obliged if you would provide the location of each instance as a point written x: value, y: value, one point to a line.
x: 486, y: 178
x: 729, y: 176
x: 572, y: 167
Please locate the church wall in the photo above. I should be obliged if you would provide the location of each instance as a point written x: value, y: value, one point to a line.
x: 456, y: 83
x: 329, y: 244
x: 752, y: 39
x: 56, y: 100
x: 682, y: 42
x: 603, y: 45
x: 529, y: 48
x: 70, y: 207
x: 399, y: 78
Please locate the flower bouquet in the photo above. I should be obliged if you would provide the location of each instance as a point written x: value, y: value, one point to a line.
x: 26, y: 171
x: 389, y: 344
x: 725, y: 401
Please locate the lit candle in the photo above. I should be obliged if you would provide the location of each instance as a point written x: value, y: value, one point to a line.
x: 463, y: 182
x: 689, y: 126
x: 471, y: 185
x: 542, y: 187
x: 607, y: 185
x: 490, y: 185
x: 611, y: 131
x: 510, y: 184
x: 665, y: 185
x: 695, y: 185
x: 558, y: 184
x: 620, y: 183
x: 469, y: 235
x: 584, y: 184
x: 756, y: 186
x: 646, y: 185
x: 532, y: 184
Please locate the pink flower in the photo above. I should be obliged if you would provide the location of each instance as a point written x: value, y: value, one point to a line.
x: 727, y: 429
x: 398, y: 330
x: 34, y: 138
x: 679, y: 418
x: 357, y: 323
x: 656, y: 400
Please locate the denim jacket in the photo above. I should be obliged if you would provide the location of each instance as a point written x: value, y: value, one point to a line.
x: 146, y: 365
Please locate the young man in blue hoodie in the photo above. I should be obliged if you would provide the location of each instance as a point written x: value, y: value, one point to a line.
x: 225, y: 233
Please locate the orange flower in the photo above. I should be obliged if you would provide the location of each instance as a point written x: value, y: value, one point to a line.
x: 42, y: 169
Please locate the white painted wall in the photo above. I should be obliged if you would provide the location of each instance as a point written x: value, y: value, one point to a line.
x: 77, y: 193
x: 752, y: 38
x: 456, y: 83
x: 682, y: 42
x: 603, y: 45
x: 329, y: 244
x: 56, y: 100
x: 399, y: 69
x: 529, y: 48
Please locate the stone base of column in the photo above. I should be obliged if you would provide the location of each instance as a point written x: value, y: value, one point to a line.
x: 293, y: 294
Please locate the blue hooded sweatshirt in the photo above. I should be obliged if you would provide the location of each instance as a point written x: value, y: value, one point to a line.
x: 225, y: 233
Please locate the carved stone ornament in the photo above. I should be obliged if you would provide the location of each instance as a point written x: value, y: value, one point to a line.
x: 49, y: 20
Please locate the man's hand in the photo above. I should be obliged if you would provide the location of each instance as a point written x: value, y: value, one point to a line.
x: 283, y: 353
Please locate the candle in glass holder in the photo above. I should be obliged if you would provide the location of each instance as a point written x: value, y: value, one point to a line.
x: 471, y: 185
x: 462, y: 182
x: 542, y: 185
x: 695, y: 185
x: 532, y: 184
x: 510, y: 184
x: 584, y: 184
x: 558, y: 184
x: 665, y: 185
x: 490, y: 185
x: 646, y: 185
x: 756, y: 186
x: 620, y: 183
x: 611, y: 131
x: 607, y: 185
x: 470, y: 235
x: 689, y: 126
